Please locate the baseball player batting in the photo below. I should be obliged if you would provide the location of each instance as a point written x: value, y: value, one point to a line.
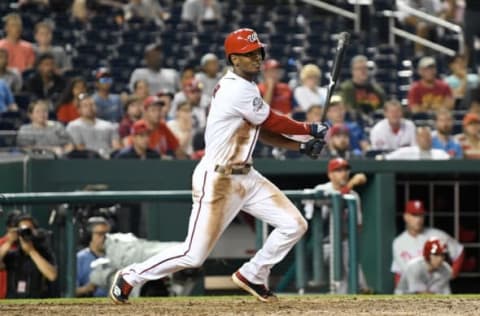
x: 428, y: 273
x: 225, y: 182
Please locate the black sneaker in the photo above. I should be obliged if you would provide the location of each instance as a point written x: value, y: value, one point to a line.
x: 120, y: 289
x: 260, y: 291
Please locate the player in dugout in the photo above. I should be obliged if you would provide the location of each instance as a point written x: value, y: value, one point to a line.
x: 409, y: 244
x: 225, y: 182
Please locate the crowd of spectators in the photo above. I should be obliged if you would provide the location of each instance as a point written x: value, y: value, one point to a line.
x: 70, y: 114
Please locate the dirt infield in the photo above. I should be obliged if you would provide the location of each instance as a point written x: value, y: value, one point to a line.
x: 240, y: 306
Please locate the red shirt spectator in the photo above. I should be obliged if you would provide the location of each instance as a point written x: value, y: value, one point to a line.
x: 133, y: 112
x: 429, y: 93
x: 67, y: 109
x: 277, y: 94
x: 20, y: 53
x: 161, y: 137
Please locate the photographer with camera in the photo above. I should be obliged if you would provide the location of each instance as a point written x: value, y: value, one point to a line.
x: 97, y: 228
x: 30, y: 266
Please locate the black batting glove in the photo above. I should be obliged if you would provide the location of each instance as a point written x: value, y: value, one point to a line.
x: 312, y: 148
x: 319, y: 130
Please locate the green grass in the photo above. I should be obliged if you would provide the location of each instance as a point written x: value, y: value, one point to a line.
x: 233, y: 297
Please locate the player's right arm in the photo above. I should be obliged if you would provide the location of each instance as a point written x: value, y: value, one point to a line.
x: 278, y: 140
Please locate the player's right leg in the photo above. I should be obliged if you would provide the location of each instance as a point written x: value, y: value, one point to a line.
x: 214, y: 207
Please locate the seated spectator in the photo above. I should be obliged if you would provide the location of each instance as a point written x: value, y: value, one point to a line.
x: 109, y: 105
x: 429, y: 93
x: 182, y: 127
x: 421, y: 151
x: 20, y: 53
x: 9, y: 75
x: 427, y: 274
x: 393, y: 131
x: 42, y: 133
x: 167, y: 99
x: 30, y: 265
x: 96, y: 230
x: 470, y: 138
x: 336, y: 115
x: 141, y: 89
x: 43, y: 45
x: 338, y: 143
x: 210, y: 73
x: 45, y: 83
x: 422, y: 28
x: 276, y: 93
x: 187, y: 75
x: 148, y: 10
x: 68, y: 104
x: 91, y: 133
x: 7, y: 103
x: 162, y: 139
x: 442, y: 137
x: 197, y: 11
x: 409, y: 244
x: 309, y: 93
x: 10, y: 225
x: 158, y: 78
x: 460, y: 80
x: 192, y: 93
x: 361, y: 94
x: 314, y: 114
x: 133, y: 112
x: 139, y: 137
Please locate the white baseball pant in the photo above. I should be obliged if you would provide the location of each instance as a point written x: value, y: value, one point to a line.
x: 217, y: 199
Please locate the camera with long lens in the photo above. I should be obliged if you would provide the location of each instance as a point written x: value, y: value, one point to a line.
x: 26, y: 233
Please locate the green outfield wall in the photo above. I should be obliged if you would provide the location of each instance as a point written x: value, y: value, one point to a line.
x: 169, y: 221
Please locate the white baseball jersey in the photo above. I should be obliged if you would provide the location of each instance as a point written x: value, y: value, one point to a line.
x: 328, y: 188
x: 406, y: 247
x: 414, y: 153
x: 417, y: 279
x: 382, y: 136
x: 236, y: 112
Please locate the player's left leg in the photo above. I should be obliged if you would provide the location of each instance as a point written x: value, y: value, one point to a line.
x: 269, y: 204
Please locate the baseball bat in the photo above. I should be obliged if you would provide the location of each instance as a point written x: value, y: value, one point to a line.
x: 342, y: 44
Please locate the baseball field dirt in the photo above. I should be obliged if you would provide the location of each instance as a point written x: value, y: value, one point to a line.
x: 243, y: 305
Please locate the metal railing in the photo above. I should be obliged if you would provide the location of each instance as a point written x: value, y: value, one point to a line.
x: 355, y: 16
x: 395, y: 31
x: 66, y: 198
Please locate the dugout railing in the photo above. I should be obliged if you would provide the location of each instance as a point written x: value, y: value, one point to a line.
x: 302, y: 254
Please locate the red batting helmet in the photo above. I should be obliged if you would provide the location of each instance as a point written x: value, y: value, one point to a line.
x: 242, y: 41
x: 433, y: 246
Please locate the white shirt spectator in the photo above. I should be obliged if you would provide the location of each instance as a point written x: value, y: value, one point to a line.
x: 415, y: 153
x: 164, y: 80
x: 98, y: 137
x: 208, y: 82
x: 185, y: 137
x: 382, y: 137
x: 307, y: 97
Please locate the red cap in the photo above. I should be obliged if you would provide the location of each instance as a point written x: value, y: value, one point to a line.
x: 153, y: 99
x: 434, y: 246
x: 271, y: 64
x: 337, y: 163
x: 471, y: 118
x: 338, y: 129
x: 193, y: 86
x: 415, y: 207
x: 139, y: 127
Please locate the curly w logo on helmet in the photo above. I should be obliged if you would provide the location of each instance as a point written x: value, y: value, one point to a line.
x: 252, y: 38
